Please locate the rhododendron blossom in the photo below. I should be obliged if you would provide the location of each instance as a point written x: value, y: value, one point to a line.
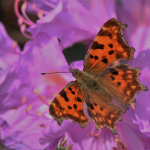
x: 25, y: 94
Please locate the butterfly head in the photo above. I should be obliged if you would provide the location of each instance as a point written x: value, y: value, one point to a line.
x: 74, y: 72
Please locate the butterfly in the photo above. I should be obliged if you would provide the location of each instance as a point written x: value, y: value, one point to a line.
x: 106, y: 91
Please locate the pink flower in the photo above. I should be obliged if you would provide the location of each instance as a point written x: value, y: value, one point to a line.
x: 142, y: 106
x: 136, y: 15
x: 9, y: 81
x: 21, y: 127
x: 66, y: 19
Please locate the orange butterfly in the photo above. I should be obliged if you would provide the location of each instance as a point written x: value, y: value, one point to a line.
x: 98, y: 85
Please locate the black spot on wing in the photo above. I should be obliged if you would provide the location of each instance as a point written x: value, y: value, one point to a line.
x: 64, y: 95
x: 95, y: 104
x: 70, y: 88
x: 101, y: 108
x: 111, y: 52
x: 75, y: 106
x: 105, y: 33
x: 96, y: 57
x: 96, y: 45
x: 91, y: 56
x: 118, y: 83
x: 114, y: 72
x: 73, y: 92
x: 79, y: 99
x: 110, y: 45
x: 112, y: 78
x: 105, y: 60
x: 91, y: 106
x: 69, y: 107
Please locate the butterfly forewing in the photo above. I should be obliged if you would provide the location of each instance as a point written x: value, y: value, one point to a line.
x: 69, y: 104
x: 107, y: 47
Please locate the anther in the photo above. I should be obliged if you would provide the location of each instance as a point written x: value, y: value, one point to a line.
x: 14, y: 44
x: 28, y: 109
x: 97, y: 134
x: 92, y: 133
x: 40, y: 13
x: 41, y: 115
x: 24, y: 98
x: 40, y: 97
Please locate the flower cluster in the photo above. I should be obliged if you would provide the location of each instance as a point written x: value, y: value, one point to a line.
x: 25, y: 94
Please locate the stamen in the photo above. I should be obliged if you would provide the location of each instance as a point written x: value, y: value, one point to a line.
x: 41, y: 98
x: 63, y: 141
x: 20, y: 21
x: 23, y: 8
x: 23, y: 29
x: 117, y: 140
x: 120, y: 145
x: 18, y: 14
x: 28, y: 109
x: 24, y: 98
x: 92, y: 133
x: 14, y: 45
x: 40, y: 13
x: 96, y: 135
x: 41, y: 115
x: 34, y: 7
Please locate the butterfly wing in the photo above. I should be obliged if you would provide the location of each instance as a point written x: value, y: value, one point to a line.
x: 102, y: 113
x: 107, y: 47
x: 122, y: 83
x: 68, y: 104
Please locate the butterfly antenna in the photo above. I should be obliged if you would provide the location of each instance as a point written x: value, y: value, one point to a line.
x: 54, y: 73
x: 66, y: 52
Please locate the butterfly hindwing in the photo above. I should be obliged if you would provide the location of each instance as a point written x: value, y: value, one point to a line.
x: 107, y: 47
x: 102, y: 113
x: 122, y: 83
x: 68, y: 104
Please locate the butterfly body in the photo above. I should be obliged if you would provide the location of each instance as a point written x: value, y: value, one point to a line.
x: 85, y: 79
x: 106, y: 91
